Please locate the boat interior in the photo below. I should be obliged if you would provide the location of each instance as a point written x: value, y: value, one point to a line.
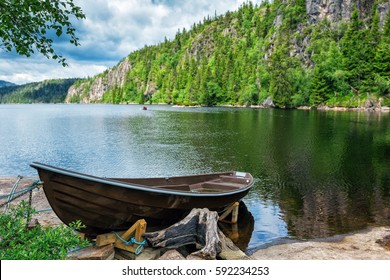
x: 213, y: 183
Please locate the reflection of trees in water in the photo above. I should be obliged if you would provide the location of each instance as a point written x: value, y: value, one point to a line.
x: 330, y: 211
x: 333, y: 176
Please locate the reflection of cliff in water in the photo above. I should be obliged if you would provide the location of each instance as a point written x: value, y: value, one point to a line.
x: 241, y: 232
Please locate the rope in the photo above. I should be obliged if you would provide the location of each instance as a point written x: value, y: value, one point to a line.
x: 22, y: 192
x: 11, y: 194
x: 79, y: 248
x: 29, y: 209
x: 44, y: 210
x: 16, y: 192
x: 132, y: 240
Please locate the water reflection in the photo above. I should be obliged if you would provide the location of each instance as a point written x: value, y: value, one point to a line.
x: 318, y: 173
x: 241, y: 232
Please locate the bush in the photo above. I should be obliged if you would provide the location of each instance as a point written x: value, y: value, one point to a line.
x: 19, y: 243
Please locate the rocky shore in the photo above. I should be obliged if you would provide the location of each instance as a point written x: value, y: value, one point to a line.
x: 369, y: 244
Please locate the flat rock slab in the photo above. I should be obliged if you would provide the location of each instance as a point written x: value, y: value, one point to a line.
x: 359, y: 246
x: 106, y: 252
x: 172, y: 255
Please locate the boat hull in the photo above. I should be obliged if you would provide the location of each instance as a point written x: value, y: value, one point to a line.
x: 105, y: 205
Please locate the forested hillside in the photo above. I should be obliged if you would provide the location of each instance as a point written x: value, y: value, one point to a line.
x: 5, y: 84
x: 273, y: 50
x: 50, y: 91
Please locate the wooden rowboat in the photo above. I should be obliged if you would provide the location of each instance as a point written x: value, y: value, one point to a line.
x: 110, y: 204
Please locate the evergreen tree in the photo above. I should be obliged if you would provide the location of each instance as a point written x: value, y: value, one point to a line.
x: 280, y: 84
x: 357, y: 50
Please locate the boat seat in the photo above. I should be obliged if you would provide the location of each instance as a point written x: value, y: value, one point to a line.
x: 222, y: 185
x: 233, y: 179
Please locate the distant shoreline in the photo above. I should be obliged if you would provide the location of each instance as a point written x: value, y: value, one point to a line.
x: 382, y: 109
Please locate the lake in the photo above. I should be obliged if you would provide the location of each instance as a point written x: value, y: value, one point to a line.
x: 317, y: 173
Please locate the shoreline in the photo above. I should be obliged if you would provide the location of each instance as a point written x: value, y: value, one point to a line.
x: 375, y: 109
x: 368, y: 244
x: 360, y: 245
x: 383, y: 109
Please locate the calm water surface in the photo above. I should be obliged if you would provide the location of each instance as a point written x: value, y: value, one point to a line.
x: 317, y: 173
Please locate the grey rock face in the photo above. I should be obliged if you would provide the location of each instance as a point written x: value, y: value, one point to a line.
x: 333, y: 10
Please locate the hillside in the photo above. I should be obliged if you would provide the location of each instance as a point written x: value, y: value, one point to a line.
x: 299, y: 53
x: 50, y: 91
x: 5, y: 84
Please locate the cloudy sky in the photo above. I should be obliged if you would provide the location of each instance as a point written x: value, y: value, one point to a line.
x: 112, y: 29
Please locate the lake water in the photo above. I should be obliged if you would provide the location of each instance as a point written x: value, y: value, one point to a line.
x: 318, y: 174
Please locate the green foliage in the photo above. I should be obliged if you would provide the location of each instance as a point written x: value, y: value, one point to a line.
x: 19, y: 243
x: 243, y: 57
x: 26, y: 25
x: 49, y: 91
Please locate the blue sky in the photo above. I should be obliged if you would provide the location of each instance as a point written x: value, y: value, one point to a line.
x: 112, y: 29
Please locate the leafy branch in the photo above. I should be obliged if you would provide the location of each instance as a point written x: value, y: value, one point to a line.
x: 25, y: 26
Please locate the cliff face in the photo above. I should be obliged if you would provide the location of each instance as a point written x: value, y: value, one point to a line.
x: 337, y: 10
x: 333, y: 10
x: 93, y: 91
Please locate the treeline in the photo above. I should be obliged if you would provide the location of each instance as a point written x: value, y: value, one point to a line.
x: 248, y: 55
x: 49, y: 91
x: 5, y: 84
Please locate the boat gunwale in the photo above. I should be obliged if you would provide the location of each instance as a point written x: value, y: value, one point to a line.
x: 116, y: 183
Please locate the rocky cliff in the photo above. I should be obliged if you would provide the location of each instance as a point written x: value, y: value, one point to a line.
x: 337, y: 10
x: 91, y: 91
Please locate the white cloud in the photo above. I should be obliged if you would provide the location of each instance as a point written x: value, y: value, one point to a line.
x: 27, y: 70
x: 113, y: 29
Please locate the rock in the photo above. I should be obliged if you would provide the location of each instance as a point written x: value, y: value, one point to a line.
x: 33, y: 223
x: 322, y: 107
x: 383, y: 9
x: 336, y: 10
x: 333, y: 10
x: 268, y: 102
x: 359, y: 246
x: 304, y: 108
x: 148, y: 254
x: 123, y: 255
x: 114, y: 77
x: 172, y: 255
x: 229, y: 250
x: 384, y: 242
x: 106, y: 252
x: 194, y: 258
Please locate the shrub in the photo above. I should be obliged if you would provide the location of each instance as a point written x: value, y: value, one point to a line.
x: 50, y: 243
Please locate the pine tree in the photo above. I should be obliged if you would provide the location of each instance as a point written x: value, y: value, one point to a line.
x: 358, y: 53
x: 280, y: 85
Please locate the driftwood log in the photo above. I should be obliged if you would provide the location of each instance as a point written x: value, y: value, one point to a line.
x: 200, y: 228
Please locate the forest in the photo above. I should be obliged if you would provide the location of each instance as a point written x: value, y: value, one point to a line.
x: 243, y: 57
x: 49, y: 91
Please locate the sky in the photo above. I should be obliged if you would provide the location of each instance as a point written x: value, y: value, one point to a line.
x: 112, y: 30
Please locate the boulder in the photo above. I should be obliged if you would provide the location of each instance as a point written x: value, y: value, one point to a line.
x: 268, y: 102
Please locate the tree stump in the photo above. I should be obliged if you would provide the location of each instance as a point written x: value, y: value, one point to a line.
x: 200, y: 228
